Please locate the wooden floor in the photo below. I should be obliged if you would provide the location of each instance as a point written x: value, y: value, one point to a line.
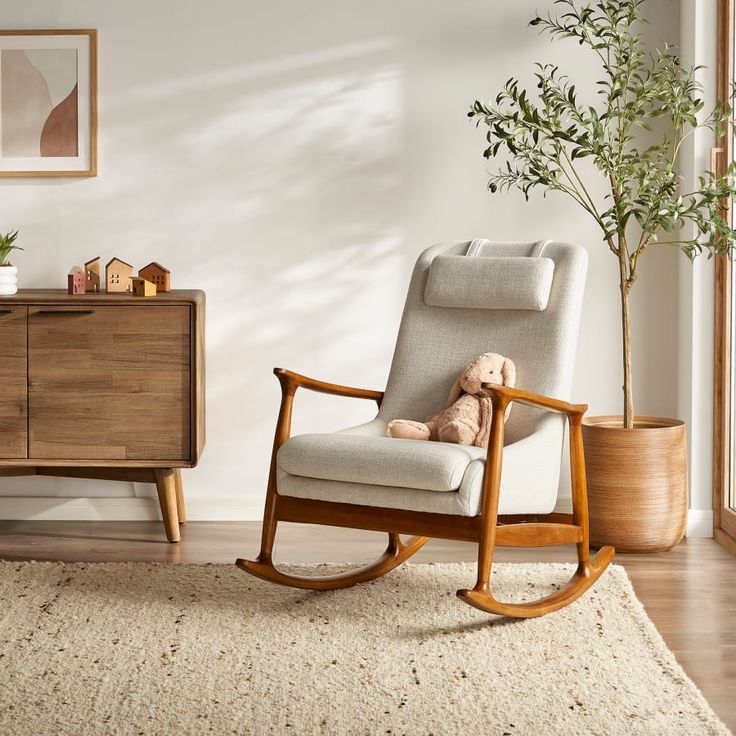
x: 689, y: 592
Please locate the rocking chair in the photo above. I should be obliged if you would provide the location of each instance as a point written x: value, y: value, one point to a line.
x: 522, y: 300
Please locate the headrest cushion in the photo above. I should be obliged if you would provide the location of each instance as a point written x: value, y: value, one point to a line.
x: 489, y: 282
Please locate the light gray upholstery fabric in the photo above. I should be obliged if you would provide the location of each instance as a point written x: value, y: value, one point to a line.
x: 530, y: 473
x: 358, y: 458
x: 433, y: 346
x: 489, y: 283
x: 436, y: 343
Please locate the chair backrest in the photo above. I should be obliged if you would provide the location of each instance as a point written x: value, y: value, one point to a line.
x: 436, y: 342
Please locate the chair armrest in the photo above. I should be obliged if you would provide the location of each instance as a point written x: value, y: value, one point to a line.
x: 291, y: 380
x: 501, y: 397
x: 506, y: 395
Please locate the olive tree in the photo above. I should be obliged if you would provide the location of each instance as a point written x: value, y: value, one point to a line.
x: 542, y: 137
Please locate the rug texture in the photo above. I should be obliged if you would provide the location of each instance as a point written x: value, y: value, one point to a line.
x: 206, y: 649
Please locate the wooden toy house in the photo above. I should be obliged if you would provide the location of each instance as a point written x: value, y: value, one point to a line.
x: 75, y: 281
x: 92, y: 274
x: 142, y: 287
x: 117, y: 276
x: 157, y: 274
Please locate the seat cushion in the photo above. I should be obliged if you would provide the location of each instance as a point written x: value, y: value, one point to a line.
x: 371, y: 459
x: 529, y: 477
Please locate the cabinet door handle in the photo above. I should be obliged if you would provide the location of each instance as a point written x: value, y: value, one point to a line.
x: 65, y: 311
x: 6, y: 311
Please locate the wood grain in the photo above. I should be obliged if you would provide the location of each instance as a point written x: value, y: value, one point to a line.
x: 194, y: 300
x: 166, y: 488
x: 15, y: 463
x: 92, y: 276
x: 292, y: 381
x: 130, y: 475
x: 637, y: 482
x: 13, y: 382
x: 197, y: 363
x: 519, y: 396
x: 376, y: 518
x: 482, y: 529
x: 537, y: 534
x: 116, y: 389
x: 109, y: 383
x: 117, y: 276
x: 157, y: 275
x: 724, y: 518
x: 180, y: 507
x: 396, y: 553
x: 61, y: 298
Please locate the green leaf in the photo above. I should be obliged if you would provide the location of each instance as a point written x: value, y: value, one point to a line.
x: 530, y: 130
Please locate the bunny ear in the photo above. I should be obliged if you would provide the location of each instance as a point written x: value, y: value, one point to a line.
x: 508, y: 372
x: 455, y: 392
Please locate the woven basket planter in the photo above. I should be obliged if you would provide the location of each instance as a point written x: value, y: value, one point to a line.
x: 637, y: 482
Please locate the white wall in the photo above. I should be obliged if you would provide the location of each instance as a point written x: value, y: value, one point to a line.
x: 292, y: 159
x: 696, y: 284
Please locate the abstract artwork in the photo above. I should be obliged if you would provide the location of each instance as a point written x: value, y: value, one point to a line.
x: 47, y: 103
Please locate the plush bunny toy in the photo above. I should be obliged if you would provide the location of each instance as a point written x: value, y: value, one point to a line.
x: 467, y: 419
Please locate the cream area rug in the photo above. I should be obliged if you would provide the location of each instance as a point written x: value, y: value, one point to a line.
x: 205, y: 649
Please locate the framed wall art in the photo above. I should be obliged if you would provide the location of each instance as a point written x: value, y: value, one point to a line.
x: 48, y: 103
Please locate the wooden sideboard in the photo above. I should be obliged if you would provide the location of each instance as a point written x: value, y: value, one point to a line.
x: 106, y: 386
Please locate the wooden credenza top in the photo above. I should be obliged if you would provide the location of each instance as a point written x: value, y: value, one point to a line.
x: 60, y: 296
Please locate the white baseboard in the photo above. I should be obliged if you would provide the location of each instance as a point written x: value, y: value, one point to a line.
x: 124, y: 508
x: 129, y: 508
x: 699, y: 523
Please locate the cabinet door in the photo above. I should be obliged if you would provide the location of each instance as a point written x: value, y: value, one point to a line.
x: 13, y: 383
x: 109, y: 382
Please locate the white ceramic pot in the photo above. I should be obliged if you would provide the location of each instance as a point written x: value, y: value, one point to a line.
x: 8, y: 280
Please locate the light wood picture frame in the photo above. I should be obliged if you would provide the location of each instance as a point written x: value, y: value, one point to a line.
x: 48, y: 103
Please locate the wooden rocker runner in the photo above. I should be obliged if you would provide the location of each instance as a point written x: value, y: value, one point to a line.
x: 522, y: 300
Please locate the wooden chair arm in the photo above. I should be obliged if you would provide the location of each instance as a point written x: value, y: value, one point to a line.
x: 291, y: 381
x: 505, y: 395
x: 501, y: 397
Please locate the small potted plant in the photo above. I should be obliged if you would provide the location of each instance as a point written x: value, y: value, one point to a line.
x: 8, y: 272
x: 636, y: 465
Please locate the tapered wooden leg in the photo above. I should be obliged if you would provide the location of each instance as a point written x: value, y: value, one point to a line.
x: 166, y: 487
x: 180, y: 507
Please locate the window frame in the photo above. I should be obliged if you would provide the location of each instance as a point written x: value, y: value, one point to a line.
x: 724, y: 517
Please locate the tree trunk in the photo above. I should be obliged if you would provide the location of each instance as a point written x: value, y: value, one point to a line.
x: 626, y: 329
